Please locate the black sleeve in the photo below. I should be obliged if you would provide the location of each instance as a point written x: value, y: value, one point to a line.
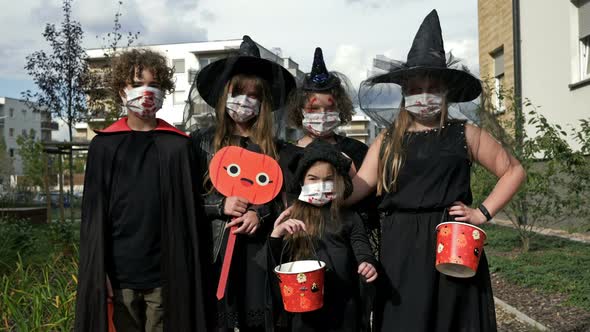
x: 275, y: 246
x: 213, y: 201
x: 359, y: 240
x: 91, y: 312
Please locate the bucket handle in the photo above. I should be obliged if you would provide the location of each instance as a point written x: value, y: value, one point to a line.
x: 308, y: 237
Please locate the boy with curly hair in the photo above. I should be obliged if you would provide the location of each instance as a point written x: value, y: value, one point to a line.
x: 140, y: 240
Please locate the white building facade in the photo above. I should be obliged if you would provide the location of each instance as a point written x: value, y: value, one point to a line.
x: 187, y: 59
x: 555, y: 57
x: 18, y: 119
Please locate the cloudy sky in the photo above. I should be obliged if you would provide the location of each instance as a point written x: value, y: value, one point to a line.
x: 351, y: 32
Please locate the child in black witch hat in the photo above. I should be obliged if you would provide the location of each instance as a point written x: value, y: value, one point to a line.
x: 421, y: 166
x: 244, y: 89
x: 337, y: 234
x: 140, y: 230
x: 318, y: 107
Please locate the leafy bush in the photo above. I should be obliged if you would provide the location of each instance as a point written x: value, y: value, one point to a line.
x: 39, y: 297
x: 16, y: 237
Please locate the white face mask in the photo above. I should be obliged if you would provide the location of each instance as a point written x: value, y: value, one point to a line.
x: 320, y: 123
x: 144, y: 101
x: 424, y: 106
x: 318, y: 193
x: 242, y: 108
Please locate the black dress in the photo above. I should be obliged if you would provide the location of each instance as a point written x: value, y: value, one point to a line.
x: 366, y: 208
x: 342, y: 249
x: 246, y: 303
x: 413, y: 295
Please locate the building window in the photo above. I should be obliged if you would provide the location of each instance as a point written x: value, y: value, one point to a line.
x: 23, y: 132
x: 498, y: 94
x: 584, y: 37
x: 11, y: 132
x: 178, y: 97
x: 178, y: 65
x: 11, y: 112
x: 32, y: 133
x: 585, y: 58
x: 205, y: 60
x: 24, y: 113
x: 11, y: 151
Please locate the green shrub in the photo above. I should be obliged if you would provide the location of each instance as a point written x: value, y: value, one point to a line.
x: 39, y: 297
x: 16, y: 237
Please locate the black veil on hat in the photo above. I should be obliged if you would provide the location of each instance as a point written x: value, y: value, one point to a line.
x: 211, y: 80
x: 426, y: 58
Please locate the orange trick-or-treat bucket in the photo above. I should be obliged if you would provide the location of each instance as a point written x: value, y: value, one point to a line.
x: 458, y: 249
x: 302, y: 285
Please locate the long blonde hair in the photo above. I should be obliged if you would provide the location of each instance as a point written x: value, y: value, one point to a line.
x: 391, y: 152
x: 262, y: 126
x: 315, y: 221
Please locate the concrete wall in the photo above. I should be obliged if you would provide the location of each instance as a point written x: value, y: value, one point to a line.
x: 550, y: 61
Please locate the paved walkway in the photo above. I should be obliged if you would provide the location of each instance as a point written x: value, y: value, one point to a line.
x: 579, y: 237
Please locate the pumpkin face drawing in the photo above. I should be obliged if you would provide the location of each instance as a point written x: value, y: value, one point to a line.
x: 235, y: 171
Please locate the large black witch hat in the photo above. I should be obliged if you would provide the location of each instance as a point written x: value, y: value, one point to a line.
x: 212, y: 79
x: 427, y: 58
x: 319, y: 79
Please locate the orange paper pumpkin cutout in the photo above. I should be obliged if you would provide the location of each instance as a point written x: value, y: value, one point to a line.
x: 235, y: 171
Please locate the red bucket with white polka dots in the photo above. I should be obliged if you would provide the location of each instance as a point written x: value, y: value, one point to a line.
x: 459, y: 247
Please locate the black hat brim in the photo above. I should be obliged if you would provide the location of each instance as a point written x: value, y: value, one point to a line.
x: 212, y: 79
x: 321, y: 151
x: 461, y: 85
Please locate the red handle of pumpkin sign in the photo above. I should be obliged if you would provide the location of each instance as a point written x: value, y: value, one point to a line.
x: 229, y: 251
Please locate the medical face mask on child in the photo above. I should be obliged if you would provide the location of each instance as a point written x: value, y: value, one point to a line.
x: 318, y: 193
x: 320, y: 123
x: 144, y: 101
x: 424, y: 106
x: 242, y: 108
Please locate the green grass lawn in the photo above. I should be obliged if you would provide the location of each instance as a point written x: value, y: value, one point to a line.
x: 552, y: 264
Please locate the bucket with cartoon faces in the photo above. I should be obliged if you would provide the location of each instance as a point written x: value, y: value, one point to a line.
x: 302, y: 285
x: 458, y: 249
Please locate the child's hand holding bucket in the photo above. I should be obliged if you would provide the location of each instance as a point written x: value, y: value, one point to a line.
x: 368, y: 271
x: 290, y: 226
x: 283, y: 216
x: 464, y: 213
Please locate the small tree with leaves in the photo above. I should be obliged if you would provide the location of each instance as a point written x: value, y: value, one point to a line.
x: 555, y: 183
x: 6, y: 166
x: 102, y: 102
x: 61, y: 74
x: 31, y: 154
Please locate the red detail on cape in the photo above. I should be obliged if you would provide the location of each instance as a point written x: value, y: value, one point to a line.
x: 121, y: 126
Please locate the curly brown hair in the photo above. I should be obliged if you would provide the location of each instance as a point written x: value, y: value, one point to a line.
x: 299, y: 97
x: 128, y: 64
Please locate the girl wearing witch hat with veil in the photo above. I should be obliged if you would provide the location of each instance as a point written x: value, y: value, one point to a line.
x: 318, y: 107
x: 244, y: 90
x: 421, y: 166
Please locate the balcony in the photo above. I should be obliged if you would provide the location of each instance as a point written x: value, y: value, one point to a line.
x: 49, y: 125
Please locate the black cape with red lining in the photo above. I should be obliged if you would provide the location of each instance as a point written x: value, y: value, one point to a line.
x: 185, y: 237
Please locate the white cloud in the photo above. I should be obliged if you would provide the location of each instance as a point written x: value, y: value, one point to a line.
x: 466, y: 50
x: 351, y: 32
x: 352, y: 61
